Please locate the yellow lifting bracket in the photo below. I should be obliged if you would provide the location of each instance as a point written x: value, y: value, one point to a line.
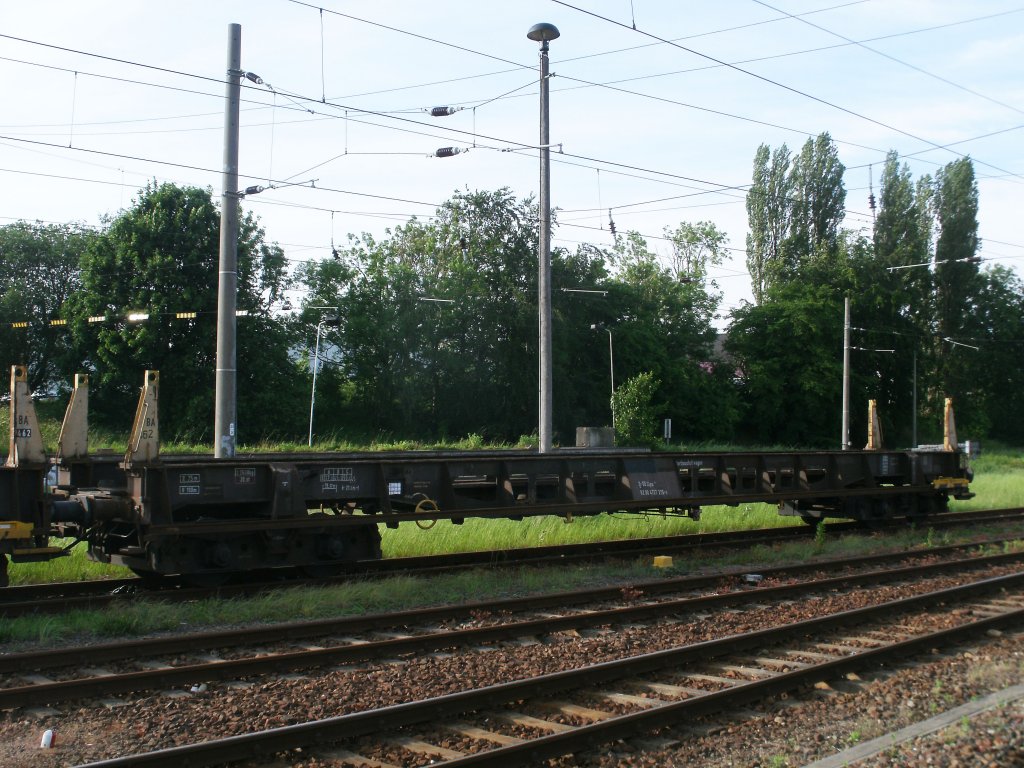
x: 15, y: 530
x: 874, y: 428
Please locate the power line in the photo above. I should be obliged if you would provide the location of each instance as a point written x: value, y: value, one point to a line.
x: 893, y: 58
x: 712, y: 32
x: 114, y: 59
x: 589, y: 159
x: 350, y: 17
x: 389, y: 114
x: 777, y: 84
x: 209, y: 170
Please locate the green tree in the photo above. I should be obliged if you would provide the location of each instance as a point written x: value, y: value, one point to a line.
x: 769, y: 214
x: 789, y: 352
x: 664, y: 325
x: 439, y: 323
x: 819, y: 201
x: 997, y: 378
x: 695, y: 247
x: 956, y: 282
x: 160, y: 258
x: 39, y: 266
x: 891, y: 302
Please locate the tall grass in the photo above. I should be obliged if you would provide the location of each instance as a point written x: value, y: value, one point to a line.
x: 140, y: 617
x: 488, y: 535
x: 74, y: 567
x: 998, y: 480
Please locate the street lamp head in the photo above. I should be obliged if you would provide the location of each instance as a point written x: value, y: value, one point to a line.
x: 543, y: 32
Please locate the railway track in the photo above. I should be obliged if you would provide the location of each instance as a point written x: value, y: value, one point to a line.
x: 252, y: 651
x: 525, y: 721
x: 65, y: 596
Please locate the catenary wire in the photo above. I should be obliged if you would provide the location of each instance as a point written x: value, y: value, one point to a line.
x: 778, y: 84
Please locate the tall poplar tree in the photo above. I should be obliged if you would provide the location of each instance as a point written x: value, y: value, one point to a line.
x: 956, y: 278
x: 769, y: 214
x: 819, y: 201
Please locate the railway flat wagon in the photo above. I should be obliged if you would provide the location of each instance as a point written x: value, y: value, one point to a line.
x: 319, y: 512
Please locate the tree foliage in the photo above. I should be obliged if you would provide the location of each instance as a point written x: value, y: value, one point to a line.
x: 38, y: 273
x: 160, y: 258
x: 819, y: 202
x: 430, y: 330
x: 788, y: 350
x: 435, y: 310
x: 439, y: 330
x: 795, y: 207
x: 770, y: 215
x: 922, y: 308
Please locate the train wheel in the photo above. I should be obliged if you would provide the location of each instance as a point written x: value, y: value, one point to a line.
x: 211, y: 562
x: 368, y: 543
x: 875, y: 513
x: 916, y: 510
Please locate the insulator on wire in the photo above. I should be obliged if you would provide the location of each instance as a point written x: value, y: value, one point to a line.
x: 447, y: 152
x: 871, y: 191
x: 442, y: 111
x: 611, y: 223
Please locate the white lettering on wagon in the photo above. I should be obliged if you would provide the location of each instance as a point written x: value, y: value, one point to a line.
x: 337, y: 475
x: 645, y: 488
x: 338, y: 480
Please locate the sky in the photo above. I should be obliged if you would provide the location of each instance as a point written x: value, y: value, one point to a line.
x: 656, y: 108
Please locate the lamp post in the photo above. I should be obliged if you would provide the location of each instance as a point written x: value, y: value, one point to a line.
x: 328, y: 320
x: 544, y: 33
x: 611, y: 364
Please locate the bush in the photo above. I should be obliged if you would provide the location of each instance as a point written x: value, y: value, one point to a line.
x: 635, y: 411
